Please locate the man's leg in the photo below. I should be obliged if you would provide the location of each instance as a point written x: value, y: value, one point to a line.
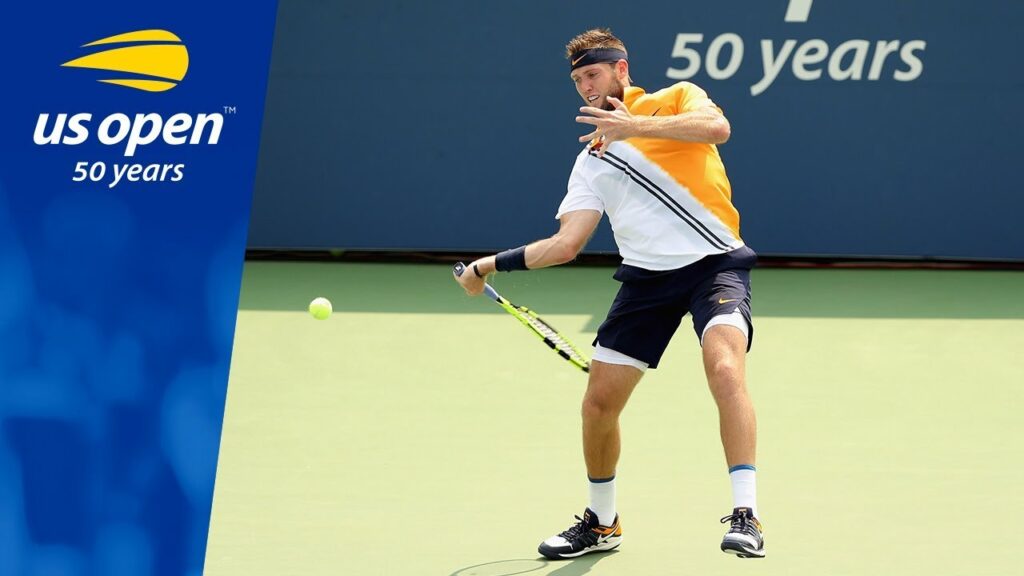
x: 725, y: 349
x: 608, y: 390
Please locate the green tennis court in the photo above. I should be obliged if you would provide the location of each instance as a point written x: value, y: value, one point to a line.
x: 420, y: 431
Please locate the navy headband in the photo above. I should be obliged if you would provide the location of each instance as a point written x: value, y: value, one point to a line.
x: 595, y: 56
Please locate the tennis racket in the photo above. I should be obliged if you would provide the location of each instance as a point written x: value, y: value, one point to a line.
x: 531, y: 320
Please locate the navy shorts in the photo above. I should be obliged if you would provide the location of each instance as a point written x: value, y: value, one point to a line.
x: 651, y: 303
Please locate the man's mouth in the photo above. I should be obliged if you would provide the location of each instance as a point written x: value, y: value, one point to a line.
x: 593, y: 98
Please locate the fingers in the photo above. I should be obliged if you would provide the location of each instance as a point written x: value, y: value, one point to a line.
x: 594, y: 111
x: 605, y: 122
x: 605, y: 143
x: 596, y: 122
x: 471, y: 284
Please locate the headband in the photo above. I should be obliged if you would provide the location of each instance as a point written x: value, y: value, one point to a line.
x: 595, y: 56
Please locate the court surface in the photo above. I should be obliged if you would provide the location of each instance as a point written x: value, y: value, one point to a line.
x: 420, y: 431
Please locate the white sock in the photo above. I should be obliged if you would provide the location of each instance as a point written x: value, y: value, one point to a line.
x: 602, y: 499
x: 744, y: 487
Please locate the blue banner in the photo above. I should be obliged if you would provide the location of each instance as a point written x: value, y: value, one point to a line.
x: 130, y: 135
x: 872, y: 128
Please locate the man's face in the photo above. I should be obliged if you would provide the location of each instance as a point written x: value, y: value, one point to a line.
x: 596, y: 82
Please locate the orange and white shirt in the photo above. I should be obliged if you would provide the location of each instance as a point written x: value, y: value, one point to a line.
x: 669, y: 202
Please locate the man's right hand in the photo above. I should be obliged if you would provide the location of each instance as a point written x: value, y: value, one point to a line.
x: 470, y: 282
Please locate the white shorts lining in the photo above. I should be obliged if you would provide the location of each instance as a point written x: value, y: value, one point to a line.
x: 735, y: 319
x: 609, y: 356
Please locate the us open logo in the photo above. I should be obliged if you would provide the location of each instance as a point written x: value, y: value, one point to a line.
x: 150, y: 60
x: 156, y: 59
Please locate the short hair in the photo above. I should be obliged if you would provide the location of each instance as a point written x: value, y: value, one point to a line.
x: 593, y: 38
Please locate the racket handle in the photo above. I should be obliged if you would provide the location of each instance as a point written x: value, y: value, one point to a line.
x: 458, y: 269
x: 491, y: 293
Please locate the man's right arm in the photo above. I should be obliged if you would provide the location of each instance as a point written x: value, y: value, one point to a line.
x: 573, y: 233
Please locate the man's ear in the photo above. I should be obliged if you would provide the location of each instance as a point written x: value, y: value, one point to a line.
x: 622, y: 70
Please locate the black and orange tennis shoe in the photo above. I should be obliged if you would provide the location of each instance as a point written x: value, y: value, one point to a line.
x: 583, y: 537
x: 744, y: 537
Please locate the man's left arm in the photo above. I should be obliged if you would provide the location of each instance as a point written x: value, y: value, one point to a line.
x: 704, y: 125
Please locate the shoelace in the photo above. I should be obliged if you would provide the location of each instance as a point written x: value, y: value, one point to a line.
x: 574, y: 530
x: 741, y: 523
x: 578, y: 530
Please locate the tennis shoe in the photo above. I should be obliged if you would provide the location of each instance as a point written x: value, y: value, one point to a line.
x: 583, y: 537
x: 744, y: 538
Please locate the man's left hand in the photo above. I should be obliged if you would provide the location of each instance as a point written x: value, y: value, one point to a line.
x: 609, y: 126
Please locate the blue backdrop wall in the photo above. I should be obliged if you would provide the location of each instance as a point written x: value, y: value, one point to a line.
x: 859, y: 128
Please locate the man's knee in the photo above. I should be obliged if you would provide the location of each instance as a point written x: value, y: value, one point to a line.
x: 725, y: 372
x: 608, y: 390
x: 726, y: 376
x: 597, y: 407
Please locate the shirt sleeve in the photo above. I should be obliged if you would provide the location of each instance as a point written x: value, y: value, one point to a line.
x: 692, y: 97
x: 579, y: 195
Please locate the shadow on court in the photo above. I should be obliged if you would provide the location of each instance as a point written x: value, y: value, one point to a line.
x: 576, y: 567
x: 818, y: 293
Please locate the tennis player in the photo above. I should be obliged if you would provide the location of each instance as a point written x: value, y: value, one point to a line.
x: 651, y: 163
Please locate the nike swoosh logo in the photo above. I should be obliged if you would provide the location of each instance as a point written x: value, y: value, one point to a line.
x: 724, y: 301
x: 656, y: 111
x: 578, y: 59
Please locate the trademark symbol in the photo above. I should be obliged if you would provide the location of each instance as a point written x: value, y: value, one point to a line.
x: 230, y: 110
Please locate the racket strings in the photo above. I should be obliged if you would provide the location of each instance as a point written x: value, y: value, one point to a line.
x: 551, y: 337
x: 560, y: 342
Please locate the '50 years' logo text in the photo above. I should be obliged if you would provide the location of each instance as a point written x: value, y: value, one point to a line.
x: 810, y: 60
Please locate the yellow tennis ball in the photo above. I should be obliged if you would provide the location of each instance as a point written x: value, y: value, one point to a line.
x: 320, y: 308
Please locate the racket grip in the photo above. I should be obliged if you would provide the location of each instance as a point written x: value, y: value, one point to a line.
x: 491, y: 293
x: 458, y: 269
